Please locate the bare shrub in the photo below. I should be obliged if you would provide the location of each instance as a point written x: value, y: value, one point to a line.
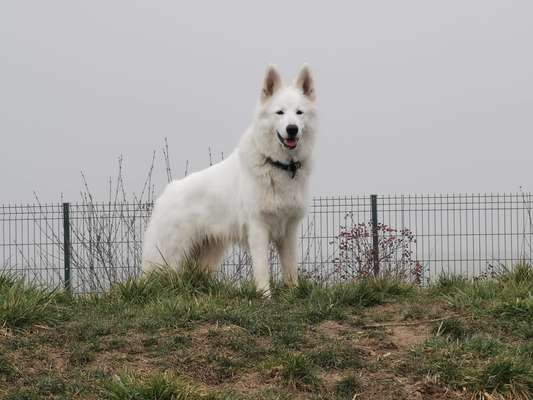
x: 395, y: 256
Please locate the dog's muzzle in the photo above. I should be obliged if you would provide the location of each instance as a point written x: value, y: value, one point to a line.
x: 289, y: 143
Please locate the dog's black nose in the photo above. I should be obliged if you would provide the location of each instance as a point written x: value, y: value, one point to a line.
x: 292, y: 130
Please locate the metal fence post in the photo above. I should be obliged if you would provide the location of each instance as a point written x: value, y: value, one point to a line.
x: 66, y: 244
x: 375, y: 238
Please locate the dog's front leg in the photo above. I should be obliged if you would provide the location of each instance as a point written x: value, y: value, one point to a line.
x: 287, y: 254
x: 258, y: 240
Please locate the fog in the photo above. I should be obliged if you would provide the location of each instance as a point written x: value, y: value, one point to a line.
x: 413, y: 96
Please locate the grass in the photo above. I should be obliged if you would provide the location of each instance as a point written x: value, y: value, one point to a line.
x: 22, y: 305
x: 160, y: 387
x: 6, y: 369
x: 298, y: 371
x: 187, y: 336
x: 488, y: 349
x: 346, y: 387
x: 336, y: 356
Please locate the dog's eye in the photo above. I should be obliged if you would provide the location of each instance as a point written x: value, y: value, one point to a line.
x: 280, y: 112
x: 299, y: 112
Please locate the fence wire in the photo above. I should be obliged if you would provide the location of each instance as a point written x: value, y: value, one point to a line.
x: 415, y: 237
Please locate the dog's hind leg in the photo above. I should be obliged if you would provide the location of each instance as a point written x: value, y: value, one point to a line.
x: 211, y: 255
x: 157, y: 257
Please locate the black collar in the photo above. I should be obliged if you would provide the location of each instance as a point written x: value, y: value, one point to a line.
x: 292, y: 167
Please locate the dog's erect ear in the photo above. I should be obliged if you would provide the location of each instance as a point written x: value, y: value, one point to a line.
x: 271, y: 83
x: 305, y: 82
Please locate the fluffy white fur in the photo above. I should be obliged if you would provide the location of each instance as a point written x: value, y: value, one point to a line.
x: 244, y: 199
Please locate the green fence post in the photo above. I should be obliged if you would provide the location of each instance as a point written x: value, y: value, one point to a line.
x: 375, y: 238
x: 66, y: 245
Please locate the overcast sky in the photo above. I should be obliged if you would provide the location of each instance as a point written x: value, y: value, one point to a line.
x: 414, y: 96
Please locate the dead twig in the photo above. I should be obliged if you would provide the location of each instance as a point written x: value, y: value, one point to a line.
x: 414, y: 323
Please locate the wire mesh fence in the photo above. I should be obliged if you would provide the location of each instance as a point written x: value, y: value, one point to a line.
x: 83, y: 247
x: 87, y: 247
x: 417, y: 237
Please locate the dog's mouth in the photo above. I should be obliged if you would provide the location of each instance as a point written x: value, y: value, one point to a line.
x: 289, y: 143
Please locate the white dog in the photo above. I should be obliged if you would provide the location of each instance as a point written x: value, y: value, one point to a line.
x: 256, y: 196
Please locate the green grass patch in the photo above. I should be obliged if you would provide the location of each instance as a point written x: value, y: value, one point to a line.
x: 186, y: 335
x: 479, y: 364
x: 297, y: 370
x: 22, y: 305
x: 6, y: 368
x: 348, y: 387
x: 452, y: 328
x: 158, y: 387
x: 337, y: 356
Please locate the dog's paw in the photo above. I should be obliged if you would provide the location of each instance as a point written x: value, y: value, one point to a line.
x: 265, y: 292
x: 291, y: 282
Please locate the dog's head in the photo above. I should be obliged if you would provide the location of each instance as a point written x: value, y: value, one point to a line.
x: 286, y: 116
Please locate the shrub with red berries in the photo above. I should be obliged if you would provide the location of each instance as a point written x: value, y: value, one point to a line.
x: 395, y: 256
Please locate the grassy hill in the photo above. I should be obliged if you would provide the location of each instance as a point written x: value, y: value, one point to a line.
x: 185, y: 336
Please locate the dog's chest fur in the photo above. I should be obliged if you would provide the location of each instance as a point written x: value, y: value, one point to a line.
x: 281, y: 199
